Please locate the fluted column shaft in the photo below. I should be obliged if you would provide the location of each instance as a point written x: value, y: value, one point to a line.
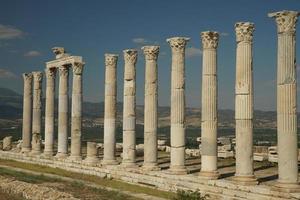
x: 129, y: 135
x: 150, y: 109
x: 110, y: 109
x: 177, y: 45
x: 49, y: 111
x: 76, y: 118
x: 244, y: 102
x: 27, y: 113
x: 209, y: 112
x: 63, y: 121
x: 37, y: 113
x: 287, y: 97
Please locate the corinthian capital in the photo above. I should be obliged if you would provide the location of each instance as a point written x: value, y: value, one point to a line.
x: 151, y: 52
x: 78, y: 68
x: 286, y: 21
x: 50, y: 72
x: 178, y: 44
x: 130, y: 56
x: 63, y: 71
x: 244, y: 31
x: 37, y: 76
x: 210, y: 39
x: 111, y: 59
x: 27, y: 76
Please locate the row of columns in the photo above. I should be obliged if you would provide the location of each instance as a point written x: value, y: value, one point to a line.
x: 286, y: 106
x: 32, y: 112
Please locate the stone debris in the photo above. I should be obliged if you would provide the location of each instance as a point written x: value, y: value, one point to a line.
x: 7, y: 143
x: 32, y: 191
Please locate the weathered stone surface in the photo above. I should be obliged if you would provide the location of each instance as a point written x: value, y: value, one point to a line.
x: 76, y: 114
x: 209, y: 105
x: 244, y: 103
x: 110, y: 112
x: 150, y: 109
x: 7, y: 143
x: 37, y: 113
x: 63, y: 120
x: 286, y: 99
x: 27, y: 112
x: 49, y: 111
x: 129, y: 135
x: 177, y: 44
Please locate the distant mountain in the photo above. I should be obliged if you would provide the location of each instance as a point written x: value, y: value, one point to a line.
x: 10, y: 104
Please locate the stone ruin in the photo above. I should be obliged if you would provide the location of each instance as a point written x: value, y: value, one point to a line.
x: 211, y: 147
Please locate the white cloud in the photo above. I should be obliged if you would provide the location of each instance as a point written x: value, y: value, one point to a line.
x: 192, y: 52
x: 9, y: 32
x: 224, y: 34
x: 139, y: 40
x: 32, y: 54
x: 5, y: 74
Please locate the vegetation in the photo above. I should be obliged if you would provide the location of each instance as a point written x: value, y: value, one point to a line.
x: 94, y: 179
x: 6, y: 196
x: 189, y: 195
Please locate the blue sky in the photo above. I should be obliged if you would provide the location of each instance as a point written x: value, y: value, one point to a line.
x: 29, y: 29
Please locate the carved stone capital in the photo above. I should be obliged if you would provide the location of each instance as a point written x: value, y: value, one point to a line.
x: 178, y: 44
x: 286, y: 21
x: 244, y: 31
x: 27, y: 77
x: 78, y: 68
x: 210, y: 39
x: 130, y: 56
x: 59, y: 52
x: 111, y: 59
x: 63, y: 71
x: 50, y: 73
x: 151, y: 52
x: 37, y: 76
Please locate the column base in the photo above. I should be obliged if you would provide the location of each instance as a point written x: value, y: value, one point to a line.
x: 91, y: 160
x: 129, y: 165
x: 150, y: 167
x: 210, y: 175
x: 25, y: 150
x: 48, y: 154
x: 61, y: 155
x: 109, y: 162
x: 75, y: 158
x: 178, y: 170
x: 245, y: 180
x: 286, y: 187
x: 35, y: 153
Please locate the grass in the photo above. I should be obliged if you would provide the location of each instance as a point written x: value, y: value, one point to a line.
x: 94, y: 179
x: 6, y: 196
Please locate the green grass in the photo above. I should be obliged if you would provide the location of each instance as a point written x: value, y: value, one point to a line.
x: 94, y: 179
x: 25, y: 177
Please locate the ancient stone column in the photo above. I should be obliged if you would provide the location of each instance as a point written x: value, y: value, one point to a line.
x: 76, y: 118
x: 27, y: 113
x: 36, y: 113
x: 63, y: 122
x: 110, y: 110
x: 287, y: 99
x: 244, y: 103
x: 150, y: 109
x: 49, y: 111
x: 177, y: 165
x: 209, y: 123
x: 91, y: 153
x: 129, y: 154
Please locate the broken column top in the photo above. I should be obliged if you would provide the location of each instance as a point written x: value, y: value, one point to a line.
x: 286, y: 20
x: 59, y: 52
